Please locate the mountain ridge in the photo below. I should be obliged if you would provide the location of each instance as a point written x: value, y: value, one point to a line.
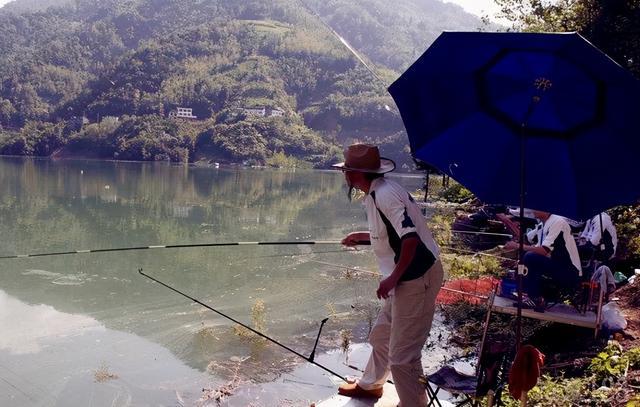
x: 137, y: 60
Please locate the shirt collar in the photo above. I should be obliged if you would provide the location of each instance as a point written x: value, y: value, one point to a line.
x: 375, y: 184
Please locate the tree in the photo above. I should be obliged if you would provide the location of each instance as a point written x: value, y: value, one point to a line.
x: 7, y: 111
x: 36, y: 138
x: 611, y: 25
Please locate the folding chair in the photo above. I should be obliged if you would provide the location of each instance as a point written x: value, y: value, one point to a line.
x: 489, y: 372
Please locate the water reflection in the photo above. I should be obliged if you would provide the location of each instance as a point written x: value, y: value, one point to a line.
x: 68, y: 205
x: 36, y: 323
x: 52, y: 358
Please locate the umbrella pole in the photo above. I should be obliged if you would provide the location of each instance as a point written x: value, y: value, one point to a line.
x: 521, y: 240
x: 521, y: 269
x: 426, y: 185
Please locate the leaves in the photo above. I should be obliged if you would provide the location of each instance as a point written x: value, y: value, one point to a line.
x: 609, y: 25
x: 147, y: 57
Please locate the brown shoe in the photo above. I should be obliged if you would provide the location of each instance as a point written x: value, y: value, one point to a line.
x: 355, y: 391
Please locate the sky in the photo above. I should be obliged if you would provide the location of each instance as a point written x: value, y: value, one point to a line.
x: 479, y: 7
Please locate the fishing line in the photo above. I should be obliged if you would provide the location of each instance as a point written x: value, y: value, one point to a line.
x: 482, y: 233
x: 475, y: 253
x: 378, y: 275
x: 346, y: 44
x: 362, y: 371
x: 309, y: 359
x: 180, y: 246
x: 357, y: 270
x: 347, y: 250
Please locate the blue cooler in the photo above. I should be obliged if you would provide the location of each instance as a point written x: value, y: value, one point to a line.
x: 507, y: 287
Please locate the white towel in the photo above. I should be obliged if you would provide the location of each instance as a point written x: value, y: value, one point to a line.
x: 604, y: 277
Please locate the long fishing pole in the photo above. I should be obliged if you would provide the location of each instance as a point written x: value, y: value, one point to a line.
x: 470, y: 232
x: 309, y: 359
x: 221, y: 244
x: 181, y: 246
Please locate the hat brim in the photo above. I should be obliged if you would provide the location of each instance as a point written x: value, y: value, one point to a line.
x: 386, y: 165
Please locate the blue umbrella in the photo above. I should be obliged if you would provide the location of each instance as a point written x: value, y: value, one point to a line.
x: 545, y: 121
x: 547, y: 113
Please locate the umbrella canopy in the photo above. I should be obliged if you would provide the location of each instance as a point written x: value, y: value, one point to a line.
x: 550, y: 112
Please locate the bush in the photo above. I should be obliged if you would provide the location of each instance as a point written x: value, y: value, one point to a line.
x: 627, y: 221
x: 36, y: 138
x: 456, y: 193
x: 560, y: 392
x: 151, y: 138
x: 281, y: 160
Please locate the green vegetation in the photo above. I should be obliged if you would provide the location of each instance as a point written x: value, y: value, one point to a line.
x: 281, y: 160
x: 612, y: 364
x: 138, y: 60
x: 557, y: 392
x: 36, y: 138
x: 471, y: 266
x: 609, y: 25
x: 606, y: 372
x: 627, y: 221
x: 258, y: 314
x: 456, y: 193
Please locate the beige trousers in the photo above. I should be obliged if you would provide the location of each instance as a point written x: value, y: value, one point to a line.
x: 399, y: 335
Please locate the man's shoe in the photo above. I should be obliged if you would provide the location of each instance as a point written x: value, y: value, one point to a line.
x: 355, y: 391
x: 540, y: 304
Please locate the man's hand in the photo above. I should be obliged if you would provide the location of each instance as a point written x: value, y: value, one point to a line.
x: 356, y: 238
x: 385, y: 286
x: 511, y: 245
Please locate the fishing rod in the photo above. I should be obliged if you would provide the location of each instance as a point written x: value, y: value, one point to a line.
x: 469, y: 232
x: 221, y: 244
x: 181, y: 246
x: 309, y: 359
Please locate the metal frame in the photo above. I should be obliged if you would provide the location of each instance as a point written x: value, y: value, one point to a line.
x: 469, y: 399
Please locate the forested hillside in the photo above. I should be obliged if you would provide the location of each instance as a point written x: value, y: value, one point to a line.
x: 100, y: 77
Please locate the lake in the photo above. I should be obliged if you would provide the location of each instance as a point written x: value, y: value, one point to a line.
x: 87, y: 329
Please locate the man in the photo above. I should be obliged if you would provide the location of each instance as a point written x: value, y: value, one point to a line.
x: 594, y: 243
x: 513, y: 225
x: 555, y: 256
x: 412, y: 276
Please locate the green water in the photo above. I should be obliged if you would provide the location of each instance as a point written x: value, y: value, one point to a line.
x: 87, y: 329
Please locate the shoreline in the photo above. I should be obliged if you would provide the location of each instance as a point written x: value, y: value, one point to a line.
x: 222, y: 165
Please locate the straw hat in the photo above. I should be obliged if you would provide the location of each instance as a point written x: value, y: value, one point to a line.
x: 365, y: 158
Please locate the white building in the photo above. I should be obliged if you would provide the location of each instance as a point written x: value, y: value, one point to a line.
x: 255, y: 111
x: 182, y: 113
x: 263, y: 111
x: 276, y: 112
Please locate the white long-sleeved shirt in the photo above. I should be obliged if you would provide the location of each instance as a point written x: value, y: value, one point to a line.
x: 592, y: 232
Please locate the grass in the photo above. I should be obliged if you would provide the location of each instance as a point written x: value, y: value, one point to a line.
x: 103, y: 375
x: 258, y: 319
x: 266, y: 26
